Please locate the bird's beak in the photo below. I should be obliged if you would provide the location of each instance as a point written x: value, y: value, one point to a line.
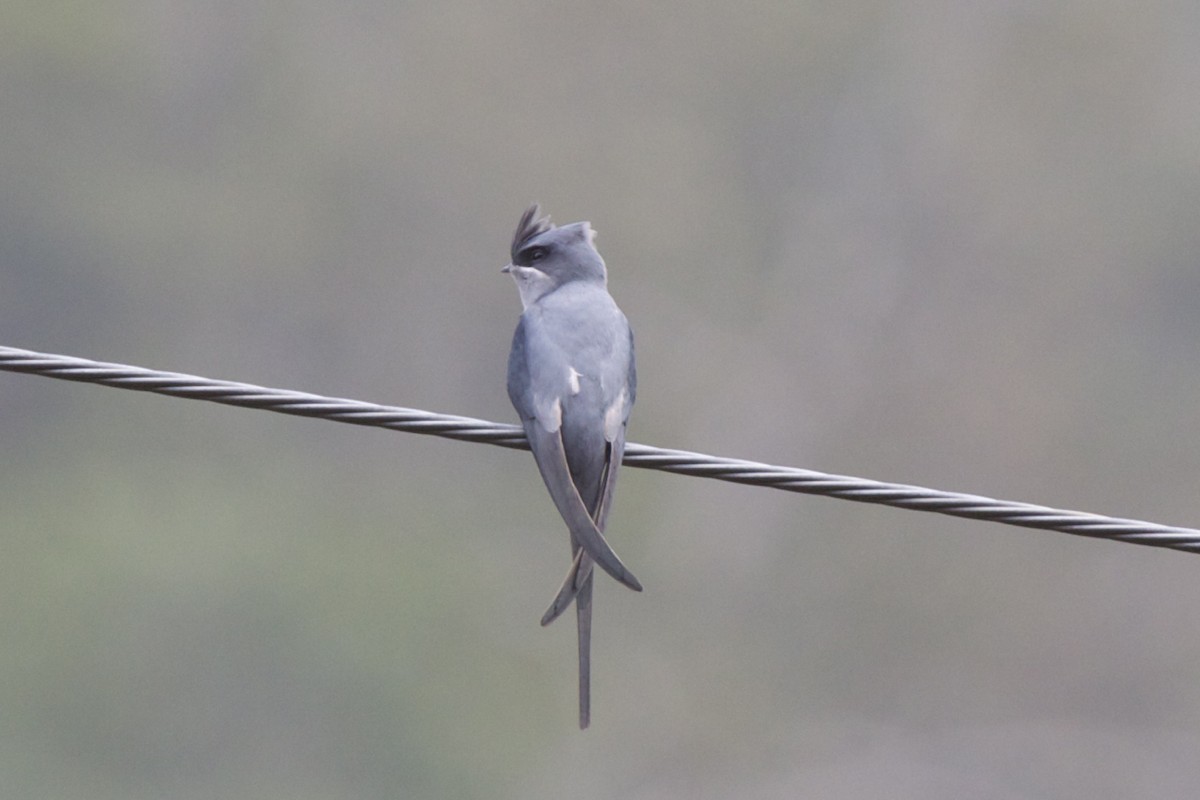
x: 507, y: 269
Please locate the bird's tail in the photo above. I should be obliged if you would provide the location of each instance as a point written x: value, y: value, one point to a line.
x: 583, y: 615
x: 577, y: 586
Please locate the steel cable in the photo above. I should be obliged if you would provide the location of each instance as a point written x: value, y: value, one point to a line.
x: 356, y: 412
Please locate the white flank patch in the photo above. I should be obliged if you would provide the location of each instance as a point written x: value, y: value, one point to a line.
x: 573, y: 380
x: 549, y: 416
x: 614, y: 416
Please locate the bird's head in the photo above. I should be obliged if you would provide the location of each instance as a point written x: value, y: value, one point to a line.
x: 545, y: 257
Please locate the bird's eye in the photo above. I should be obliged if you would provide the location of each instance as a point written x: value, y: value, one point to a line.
x: 535, y: 253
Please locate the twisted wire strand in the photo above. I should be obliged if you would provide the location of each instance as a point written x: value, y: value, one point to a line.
x: 356, y: 412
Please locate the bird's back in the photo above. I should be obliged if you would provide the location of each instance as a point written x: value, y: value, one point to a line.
x: 577, y: 348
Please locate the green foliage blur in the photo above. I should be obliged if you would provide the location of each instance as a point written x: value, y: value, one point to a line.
x: 944, y: 244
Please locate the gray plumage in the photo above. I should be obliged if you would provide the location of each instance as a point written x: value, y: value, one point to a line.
x: 572, y: 379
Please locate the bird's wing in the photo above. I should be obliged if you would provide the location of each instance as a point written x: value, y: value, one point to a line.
x: 581, y: 566
x: 540, y: 410
x: 615, y: 418
x: 577, y: 586
x: 580, y: 571
x: 552, y: 461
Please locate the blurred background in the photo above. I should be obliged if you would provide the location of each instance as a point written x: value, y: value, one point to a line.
x: 948, y: 244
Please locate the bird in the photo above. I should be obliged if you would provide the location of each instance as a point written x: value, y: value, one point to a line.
x: 572, y: 379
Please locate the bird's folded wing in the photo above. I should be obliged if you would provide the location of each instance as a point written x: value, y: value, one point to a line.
x: 552, y: 460
x: 581, y: 568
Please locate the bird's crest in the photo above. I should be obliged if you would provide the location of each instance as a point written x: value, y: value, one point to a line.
x: 531, y: 225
